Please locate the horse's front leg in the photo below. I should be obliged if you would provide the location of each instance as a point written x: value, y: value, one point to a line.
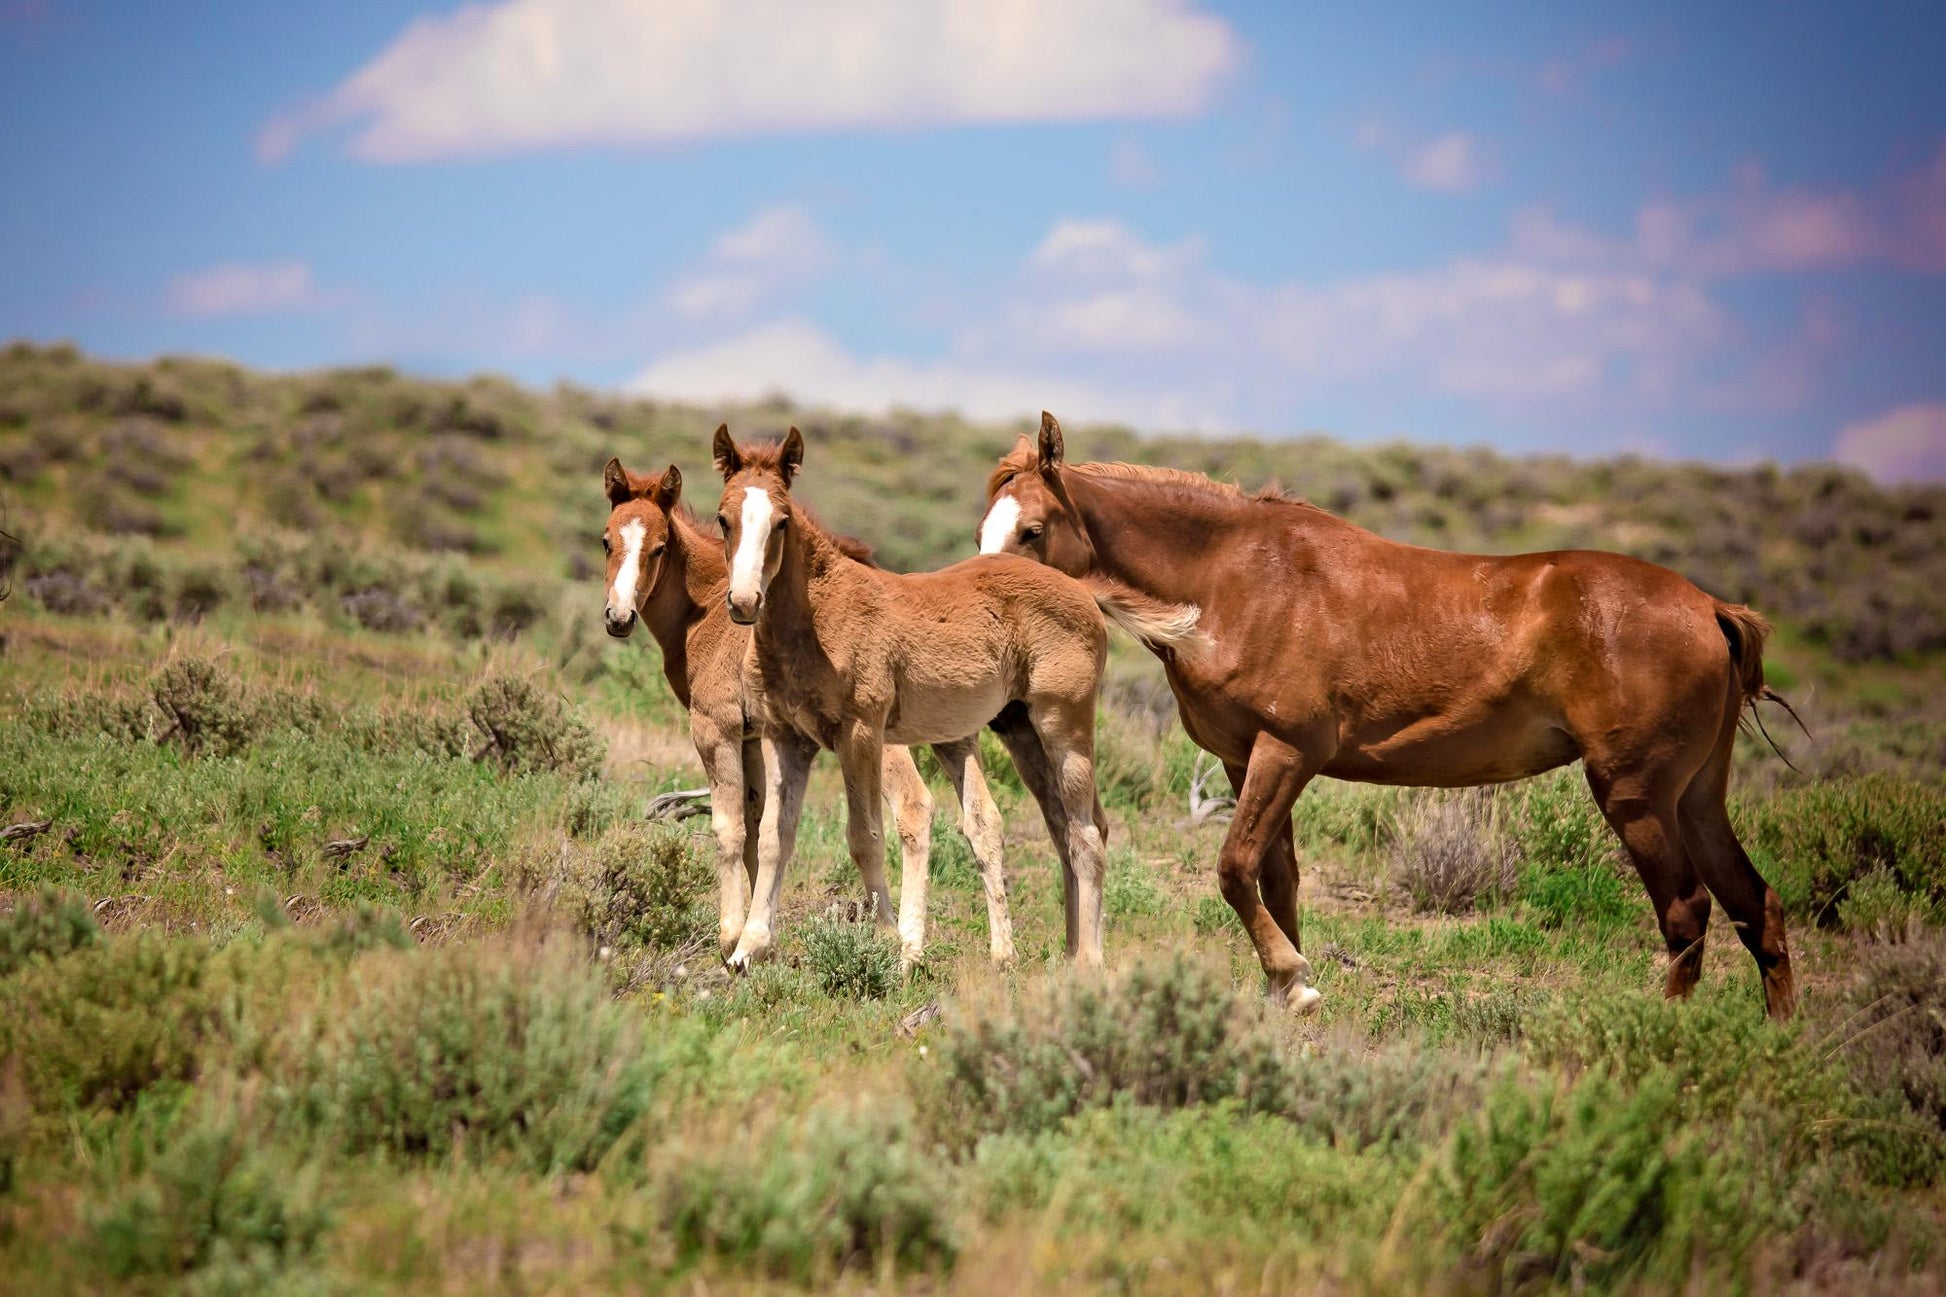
x: 787, y: 765
x: 1276, y: 774
x: 911, y: 803
x: 725, y: 768
x: 861, y: 753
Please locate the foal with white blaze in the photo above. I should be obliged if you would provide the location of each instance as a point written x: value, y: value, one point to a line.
x: 856, y: 657
x: 667, y: 572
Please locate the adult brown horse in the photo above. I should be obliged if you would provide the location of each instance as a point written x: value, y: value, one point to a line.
x: 665, y: 571
x: 1338, y: 652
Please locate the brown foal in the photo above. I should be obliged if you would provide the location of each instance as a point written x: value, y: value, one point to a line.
x: 855, y: 657
x: 1338, y: 652
x: 665, y: 571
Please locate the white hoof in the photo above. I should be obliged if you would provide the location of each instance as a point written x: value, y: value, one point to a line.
x: 1304, y: 999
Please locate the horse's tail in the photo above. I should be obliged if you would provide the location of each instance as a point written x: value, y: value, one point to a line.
x: 1746, y: 630
x: 1157, y: 624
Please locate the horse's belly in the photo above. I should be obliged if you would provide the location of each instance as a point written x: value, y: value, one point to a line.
x: 1434, y: 754
x: 942, y: 714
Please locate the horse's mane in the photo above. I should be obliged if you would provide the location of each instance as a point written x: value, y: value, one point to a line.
x: 1024, y: 457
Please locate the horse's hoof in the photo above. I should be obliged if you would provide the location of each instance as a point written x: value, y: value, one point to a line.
x: 1304, y: 1000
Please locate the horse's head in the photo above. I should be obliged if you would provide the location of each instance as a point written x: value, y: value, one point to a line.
x: 636, y: 539
x: 1028, y: 510
x: 755, y: 515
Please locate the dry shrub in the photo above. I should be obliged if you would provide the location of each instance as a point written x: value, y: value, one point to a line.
x: 484, y: 1050
x: 1166, y: 1035
x: 1895, y: 1028
x: 527, y: 727
x: 1448, y: 853
x: 209, y: 710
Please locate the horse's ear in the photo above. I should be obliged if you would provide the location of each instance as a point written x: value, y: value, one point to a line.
x: 793, y: 456
x: 728, y: 461
x: 614, y: 480
x: 1051, y: 448
x: 668, y: 488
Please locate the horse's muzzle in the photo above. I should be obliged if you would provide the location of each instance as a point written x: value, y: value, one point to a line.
x: 744, y: 611
x: 618, y: 625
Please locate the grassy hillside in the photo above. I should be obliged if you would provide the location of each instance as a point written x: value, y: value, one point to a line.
x: 334, y: 955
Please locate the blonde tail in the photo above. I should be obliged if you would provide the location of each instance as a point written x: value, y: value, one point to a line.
x: 1157, y: 624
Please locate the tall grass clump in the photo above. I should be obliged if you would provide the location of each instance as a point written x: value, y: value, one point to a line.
x: 49, y: 923
x: 101, y: 1026
x: 645, y: 886
x: 1166, y: 1034
x: 1893, y: 1031
x: 843, y: 1195
x: 207, y: 706
x: 851, y: 961
x: 488, y: 1050
x: 1817, y: 843
x: 1448, y: 854
x: 527, y: 727
x: 213, y: 1209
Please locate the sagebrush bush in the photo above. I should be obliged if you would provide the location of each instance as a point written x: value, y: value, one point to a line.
x: 50, y: 923
x: 213, y: 1205
x: 1448, y: 854
x: 843, y: 1195
x: 1593, y: 1183
x: 646, y: 886
x: 511, y: 1051
x: 527, y: 727
x: 851, y: 961
x: 1893, y: 1033
x: 208, y: 708
x: 102, y: 1025
x: 1816, y: 842
x: 1169, y: 1035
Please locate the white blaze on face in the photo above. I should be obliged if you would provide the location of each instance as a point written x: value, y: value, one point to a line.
x: 998, y: 528
x: 747, y: 564
x: 621, y: 599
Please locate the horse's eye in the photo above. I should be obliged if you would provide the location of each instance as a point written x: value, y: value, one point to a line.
x: 606, y: 548
x: 783, y: 522
x: 1031, y: 532
x: 722, y: 524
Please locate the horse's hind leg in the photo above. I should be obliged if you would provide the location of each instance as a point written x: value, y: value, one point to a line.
x: 980, y: 822
x: 1023, y: 744
x: 1640, y: 805
x: 1751, y: 903
x: 1066, y: 727
x: 1278, y: 884
x: 911, y: 803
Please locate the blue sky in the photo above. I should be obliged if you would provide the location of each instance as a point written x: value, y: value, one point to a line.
x: 1710, y: 231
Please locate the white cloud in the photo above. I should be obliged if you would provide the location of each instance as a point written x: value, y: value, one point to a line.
x: 238, y: 289
x: 1452, y: 163
x: 1903, y: 445
x: 807, y: 363
x: 1108, y: 325
x: 1750, y: 227
x: 777, y: 247
x: 535, y: 74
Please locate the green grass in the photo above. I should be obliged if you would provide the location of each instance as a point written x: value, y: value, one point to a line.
x: 341, y: 997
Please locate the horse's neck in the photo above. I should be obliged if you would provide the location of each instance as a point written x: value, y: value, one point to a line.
x: 812, y: 564
x: 690, y: 585
x: 1154, y: 543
